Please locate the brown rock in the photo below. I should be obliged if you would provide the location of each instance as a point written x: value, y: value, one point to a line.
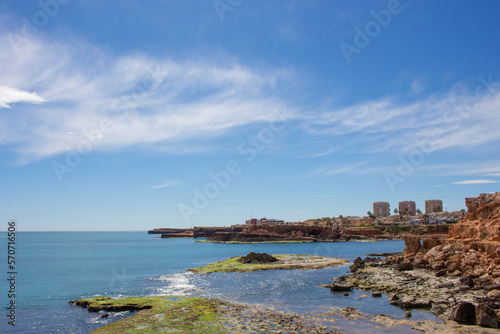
x: 466, y: 280
x: 340, y: 287
x: 394, y: 299
x: 257, y: 258
x: 412, y: 245
x: 464, y: 313
x: 486, y: 317
x: 440, y: 273
x: 405, y: 265
x: 429, y: 243
x: 494, y: 293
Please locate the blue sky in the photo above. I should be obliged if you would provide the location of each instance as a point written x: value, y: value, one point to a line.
x: 131, y: 115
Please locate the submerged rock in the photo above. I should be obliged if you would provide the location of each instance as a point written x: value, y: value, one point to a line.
x: 340, y: 287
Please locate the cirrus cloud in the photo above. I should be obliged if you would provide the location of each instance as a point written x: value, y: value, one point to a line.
x: 480, y: 181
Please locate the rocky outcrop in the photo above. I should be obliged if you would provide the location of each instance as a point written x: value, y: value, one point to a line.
x: 459, y: 276
x: 259, y: 233
x: 254, y: 237
x: 297, y: 231
x: 91, y: 306
x: 468, y: 314
x: 177, y: 235
x: 253, y: 257
x: 471, y: 249
x: 481, y: 223
x: 364, y: 232
x: 171, y: 231
x: 207, y: 232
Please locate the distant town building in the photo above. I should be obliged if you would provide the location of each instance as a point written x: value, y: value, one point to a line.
x: 381, y: 209
x: 407, y: 208
x: 433, y: 205
x: 252, y: 221
x: 264, y: 221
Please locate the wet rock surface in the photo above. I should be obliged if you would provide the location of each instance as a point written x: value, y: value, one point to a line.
x: 423, y: 289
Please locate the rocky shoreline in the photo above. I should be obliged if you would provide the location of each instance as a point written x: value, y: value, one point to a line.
x: 422, y: 289
x: 457, y: 278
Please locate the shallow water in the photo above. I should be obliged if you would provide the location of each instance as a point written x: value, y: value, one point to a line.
x: 54, y: 268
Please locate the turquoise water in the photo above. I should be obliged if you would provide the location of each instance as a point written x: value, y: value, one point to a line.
x: 56, y: 267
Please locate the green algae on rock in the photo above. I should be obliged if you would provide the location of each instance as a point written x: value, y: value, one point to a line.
x: 158, y: 314
x: 285, y: 261
x: 201, y: 315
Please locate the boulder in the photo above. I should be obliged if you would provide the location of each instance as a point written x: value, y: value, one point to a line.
x: 340, y: 287
x: 486, y: 317
x: 494, y: 293
x: 464, y: 313
x: 429, y: 243
x: 257, y: 258
x: 357, y: 264
x: 409, y: 302
x: 412, y: 244
x: 496, y: 281
x: 441, y: 272
x: 394, y: 299
x: 466, y: 280
x: 405, y: 265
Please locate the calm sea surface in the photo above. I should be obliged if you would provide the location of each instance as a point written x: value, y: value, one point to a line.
x: 56, y: 267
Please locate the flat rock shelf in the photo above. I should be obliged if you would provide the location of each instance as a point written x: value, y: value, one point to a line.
x: 285, y: 261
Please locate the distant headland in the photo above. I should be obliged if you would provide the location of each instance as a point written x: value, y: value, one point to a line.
x: 380, y: 225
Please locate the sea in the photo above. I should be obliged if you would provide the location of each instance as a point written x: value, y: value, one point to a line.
x: 53, y: 268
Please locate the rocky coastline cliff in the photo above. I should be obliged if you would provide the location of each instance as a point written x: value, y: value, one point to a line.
x: 472, y: 247
x: 457, y: 277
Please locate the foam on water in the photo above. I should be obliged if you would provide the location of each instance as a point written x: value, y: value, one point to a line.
x: 178, y: 284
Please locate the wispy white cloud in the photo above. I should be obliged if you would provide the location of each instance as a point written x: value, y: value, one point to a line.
x: 9, y: 95
x: 492, y: 174
x: 166, y: 184
x: 416, y: 87
x: 481, y: 181
x: 154, y: 103
x: 459, y: 119
x: 357, y: 168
